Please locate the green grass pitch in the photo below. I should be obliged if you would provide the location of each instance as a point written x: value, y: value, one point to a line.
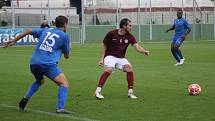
x: 160, y: 86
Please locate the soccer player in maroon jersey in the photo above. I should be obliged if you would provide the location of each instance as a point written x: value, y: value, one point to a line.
x: 113, y: 52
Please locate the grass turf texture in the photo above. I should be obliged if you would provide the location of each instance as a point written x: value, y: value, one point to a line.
x: 160, y: 86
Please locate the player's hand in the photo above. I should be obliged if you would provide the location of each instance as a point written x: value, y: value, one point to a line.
x: 146, y: 52
x: 9, y: 43
x: 101, y: 63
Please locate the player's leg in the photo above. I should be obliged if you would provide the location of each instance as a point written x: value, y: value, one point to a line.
x: 124, y: 65
x: 130, y: 80
x: 109, y: 63
x: 37, y: 72
x: 104, y: 76
x: 62, y: 92
x: 178, y: 51
x: 102, y: 81
x: 177, y: 45
x: 55, y: 74
x: 173, y: 50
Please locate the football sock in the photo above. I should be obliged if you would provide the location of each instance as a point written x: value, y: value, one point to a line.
x: 98, y: 89
x: 62, y: 95
x: 103, y: 78
x: 130, y: 91
x: 178, y: 52
x: 130, y: 79
x: 175, y: 55
x: 34, y: 87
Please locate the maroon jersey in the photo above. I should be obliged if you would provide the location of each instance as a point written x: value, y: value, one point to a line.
x: 116, y: 45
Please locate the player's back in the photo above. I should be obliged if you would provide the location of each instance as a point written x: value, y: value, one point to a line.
x: 52, y: 42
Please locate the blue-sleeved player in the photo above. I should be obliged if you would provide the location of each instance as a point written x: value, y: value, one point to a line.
x: 53, y: 42
x: 182, y: 29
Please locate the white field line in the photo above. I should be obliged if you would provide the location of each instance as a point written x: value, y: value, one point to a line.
x: 50, y: 113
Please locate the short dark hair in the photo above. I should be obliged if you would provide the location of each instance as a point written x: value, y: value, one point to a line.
x: 124, y: 22
x: 180, y: 10
x: 60, y: 21
x: 44, y: 26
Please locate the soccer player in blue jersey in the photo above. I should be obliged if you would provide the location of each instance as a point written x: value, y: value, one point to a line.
x: 53, y: 42
x: 182, y: 29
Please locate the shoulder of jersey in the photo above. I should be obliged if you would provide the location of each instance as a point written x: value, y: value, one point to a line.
x: 184, y: 19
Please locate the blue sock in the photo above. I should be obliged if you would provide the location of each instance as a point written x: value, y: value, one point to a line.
x: 175, y: 55
x: 62, y: 95
x: 34, y: 87
x: 178, y: 52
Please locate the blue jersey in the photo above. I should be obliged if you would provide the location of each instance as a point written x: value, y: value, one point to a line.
x: 181, y: 26
x: 52, y: 43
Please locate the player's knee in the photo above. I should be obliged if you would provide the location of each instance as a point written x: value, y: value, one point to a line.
x: 61, y: 80
x: 127, y: 68
x: 40, y: 82
x: 176, y: 46
x: 172, y: 49
x: 109, y: 70
x: 64, y: 83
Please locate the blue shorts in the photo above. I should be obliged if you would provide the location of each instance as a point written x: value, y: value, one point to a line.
x: 38, y: 70
x: 177, y: 41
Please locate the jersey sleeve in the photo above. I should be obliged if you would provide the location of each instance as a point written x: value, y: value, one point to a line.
x: 66, y: 46
x: 107, y: 38
x: 37, y: 32
x: 132, y: 40
x: 186, y: 24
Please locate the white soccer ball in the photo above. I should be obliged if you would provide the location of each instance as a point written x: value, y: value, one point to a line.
x: 194, y: 89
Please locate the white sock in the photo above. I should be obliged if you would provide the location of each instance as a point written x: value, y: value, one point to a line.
x: 98, y: 89
x: 130, y: 91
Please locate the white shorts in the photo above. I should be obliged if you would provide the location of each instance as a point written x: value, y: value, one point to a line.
x: 115, y: 63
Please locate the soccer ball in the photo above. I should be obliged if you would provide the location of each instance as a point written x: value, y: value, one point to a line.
x: 194, y: 89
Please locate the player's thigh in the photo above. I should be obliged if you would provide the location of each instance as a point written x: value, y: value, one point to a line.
x: 37, y: 71
x: 123, y: 64
x: 177, y: 42
x: 55, y: 73
x: 127, y: 68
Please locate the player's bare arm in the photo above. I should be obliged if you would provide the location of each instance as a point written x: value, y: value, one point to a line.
x: 13, y: 41
x: 102, y: 54
x: 170, y: 29
x: 140, y: 49
x: 66, y: 56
